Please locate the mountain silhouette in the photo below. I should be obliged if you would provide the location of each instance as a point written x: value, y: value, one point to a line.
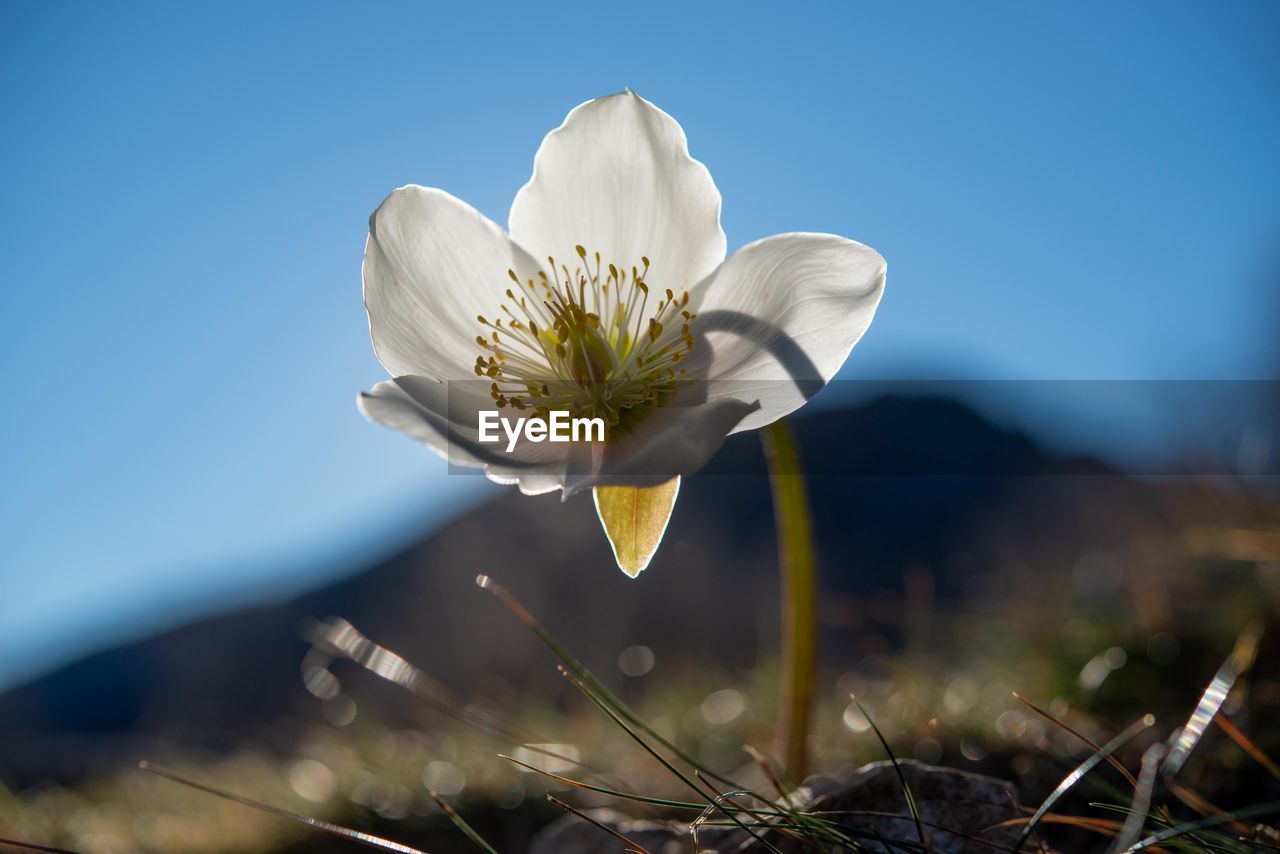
x: 899, y: 486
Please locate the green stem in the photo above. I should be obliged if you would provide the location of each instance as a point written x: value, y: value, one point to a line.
x: 799, y: 594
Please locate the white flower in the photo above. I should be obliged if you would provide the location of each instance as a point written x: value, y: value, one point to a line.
x: 611, y: 296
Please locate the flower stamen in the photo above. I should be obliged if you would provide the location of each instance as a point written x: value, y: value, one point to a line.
x: 585, y: 341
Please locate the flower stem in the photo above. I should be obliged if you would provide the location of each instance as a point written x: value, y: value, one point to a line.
x: 799, y: 577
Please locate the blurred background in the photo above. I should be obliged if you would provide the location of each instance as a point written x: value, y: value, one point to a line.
x: 1057, y: 442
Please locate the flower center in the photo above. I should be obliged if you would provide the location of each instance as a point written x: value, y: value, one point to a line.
x: 587, y: 341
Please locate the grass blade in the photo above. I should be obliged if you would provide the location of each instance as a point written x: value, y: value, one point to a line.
x: 622, y: 724
x: 721, y: 798
x: 1240, y: 660
x: 902, y: 778
x: 1247, y: 745
x: 32, y: 846
x: 606, y: 699
x: 316, y: 823
x: 578, y: 669
x: 462, y: 824
x: 601, y: 790
x: 912, y: 846
x: 1103, y: 826
x: 1141, y: 806
x: 770, y: 774
x: 1080, y: 771
x: 632, y: 847
x: 336, y: 637
x: 1201, y: 824
x: 1197, y: 802
x: 648, y: 748
x: 1065, y: 727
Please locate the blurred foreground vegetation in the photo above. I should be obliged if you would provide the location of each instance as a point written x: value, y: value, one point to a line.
x: 1095, y: 652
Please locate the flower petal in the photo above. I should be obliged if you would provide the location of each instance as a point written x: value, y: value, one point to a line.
x: 780, y: 317
x: 617, y: 178
x: 671, y: 441
x: 432, y: 264
x: 444, y: 417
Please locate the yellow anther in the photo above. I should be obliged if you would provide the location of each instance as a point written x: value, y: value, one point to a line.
x: 578, y: 344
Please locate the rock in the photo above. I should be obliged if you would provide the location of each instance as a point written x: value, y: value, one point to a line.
x: 957, y: 808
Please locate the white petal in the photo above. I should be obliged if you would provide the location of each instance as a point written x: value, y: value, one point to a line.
x: 443, y: 416
x: 432, y: 264
x: 617, y: 178
x: 777, y: 320
x: 672, y: 440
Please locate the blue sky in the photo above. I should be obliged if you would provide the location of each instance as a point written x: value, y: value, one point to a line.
x: 1073, y: 190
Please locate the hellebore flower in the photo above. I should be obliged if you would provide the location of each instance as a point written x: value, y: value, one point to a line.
x: 609, y: 297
